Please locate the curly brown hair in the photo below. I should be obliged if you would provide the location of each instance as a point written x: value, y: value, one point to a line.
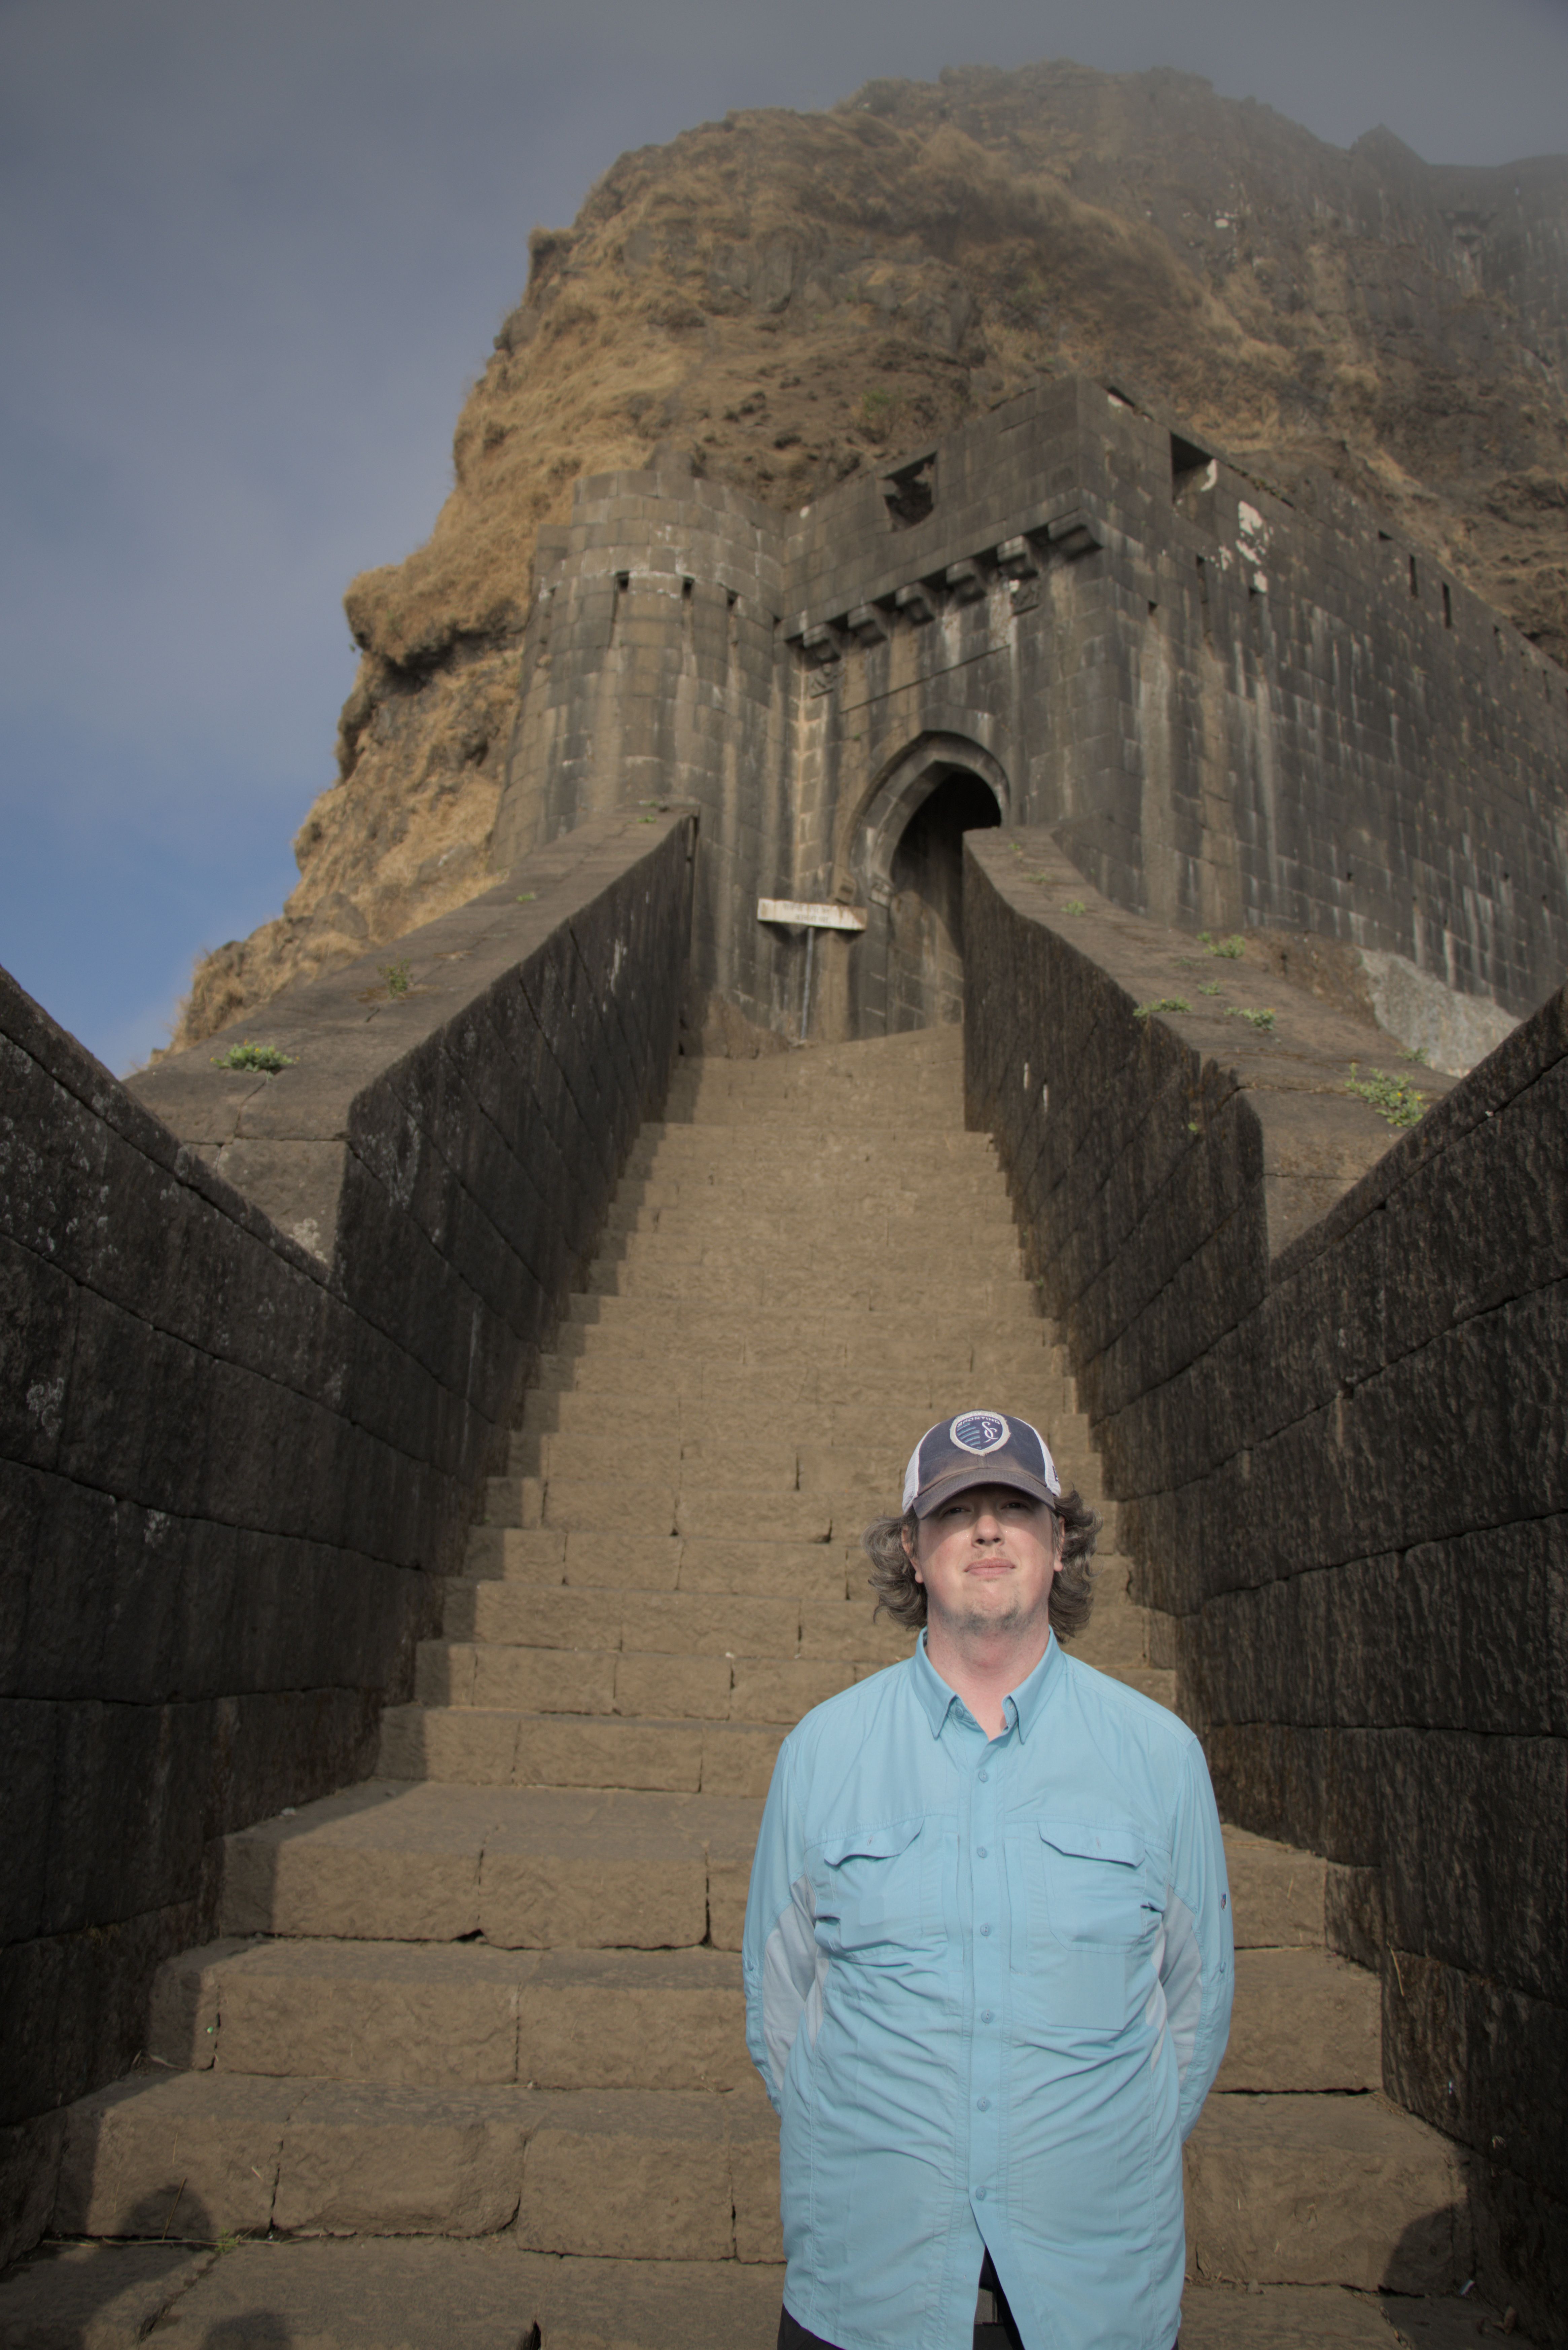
x: 892, y: 1576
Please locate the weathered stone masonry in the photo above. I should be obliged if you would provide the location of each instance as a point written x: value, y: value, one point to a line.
x: 1338, y: 1444
x: 259, y: 1350
x: 1231, y: 711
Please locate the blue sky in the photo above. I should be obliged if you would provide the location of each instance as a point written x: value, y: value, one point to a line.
x: 250, y: 257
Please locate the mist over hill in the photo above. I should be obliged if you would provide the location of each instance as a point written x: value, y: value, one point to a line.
x: 790, y: 296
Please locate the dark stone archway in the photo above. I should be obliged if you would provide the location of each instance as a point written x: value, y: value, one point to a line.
x: 925, y: 945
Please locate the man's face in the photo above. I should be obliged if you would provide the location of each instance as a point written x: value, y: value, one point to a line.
x: 987, y: 1558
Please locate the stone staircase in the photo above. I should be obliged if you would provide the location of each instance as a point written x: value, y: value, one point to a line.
x: 470, y: 2056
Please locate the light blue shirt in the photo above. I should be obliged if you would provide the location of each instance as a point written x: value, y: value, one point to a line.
x: 988, y: 1987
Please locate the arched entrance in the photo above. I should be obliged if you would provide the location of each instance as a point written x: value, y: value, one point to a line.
x: 911, y: 860
x: 925, y: 947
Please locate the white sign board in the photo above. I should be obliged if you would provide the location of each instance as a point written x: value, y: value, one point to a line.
x: 812, y: 917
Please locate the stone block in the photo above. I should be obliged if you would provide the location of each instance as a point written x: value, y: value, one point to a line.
x: 196, y: 2149
x: 547, y: 1680
x: 29, y: 2172
x: 679, y: 1688
x: 630, y: 2177
x: 1304, y: 2020
x: 96, y: 2296
x: 589, y: 1871
x: 430, y: 2014
x: 1323, y: 2190
x: 1276, y: 1892
x: 754, y: 2180
x: 621, y: 2020
x: 738, y: 1758
x: 401, y: 2161
x: 386, y: 1861
x: 182, y: 2018
x: 783, y: 1692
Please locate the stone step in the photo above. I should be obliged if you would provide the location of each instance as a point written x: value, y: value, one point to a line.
x: 1277, y: 1892
x: 691, y: 1624
x: 673, y: 1413
x: 532, y: 1868
x: 528, y: 1868
x: 1303, y: 2019
x: 750, y: 1368
x: 447, y: 2014
x: 659, y: 1214
x: 1342, y: 2190
x: 536, y: 1557
x: 607, y: 1505
x: 802, y: 1308
x: 624, y: 1684
x: 628, y: 2174
x: 505, y: 1747
x: 435, y: 2292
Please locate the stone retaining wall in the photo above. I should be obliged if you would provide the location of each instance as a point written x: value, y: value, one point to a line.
x: 1325, y: 1369
x: 263, y: 1337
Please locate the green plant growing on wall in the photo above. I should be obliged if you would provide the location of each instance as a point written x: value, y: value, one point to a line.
x: 1260, y: 1015
x: 1074, y: 905
x: 1391, y: 1097
x: 1209, y: 987
x: 1415, y: 1053
x: 1162, y: 1003
x: 1233, y: 949
x: 398, y: 976
x: 266, y: 1059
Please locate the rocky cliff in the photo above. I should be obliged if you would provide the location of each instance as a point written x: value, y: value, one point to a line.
x: 789, y: 297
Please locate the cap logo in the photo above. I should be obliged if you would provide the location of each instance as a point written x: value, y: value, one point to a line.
x: 980, y: 1433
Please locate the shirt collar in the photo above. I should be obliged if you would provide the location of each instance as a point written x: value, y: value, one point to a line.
x: 1021, y: 1707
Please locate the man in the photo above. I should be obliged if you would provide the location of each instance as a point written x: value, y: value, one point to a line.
x: 988, y: 1959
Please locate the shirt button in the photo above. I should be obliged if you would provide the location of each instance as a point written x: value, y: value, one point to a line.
x: 985, y: 2015
x: 985, y: 1929
x: 980, y: 2194
x: 983, y: 1777
x: 980, y: 1852
x: 985, y: 2104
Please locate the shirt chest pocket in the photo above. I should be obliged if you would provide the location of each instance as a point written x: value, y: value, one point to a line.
x: 1093, y: 1884
x: 871, y: 1890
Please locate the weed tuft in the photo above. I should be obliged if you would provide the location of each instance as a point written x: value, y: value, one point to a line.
x: 1260, y: 1015
x: 1233, y: 949
x: 1392, y: 1097
x: 398, y: 976
x: 1162, y: 1003
x: 1074, y: 905
x: 266, y: 1059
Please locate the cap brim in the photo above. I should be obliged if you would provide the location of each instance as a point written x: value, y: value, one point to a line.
x: 962, y: 1481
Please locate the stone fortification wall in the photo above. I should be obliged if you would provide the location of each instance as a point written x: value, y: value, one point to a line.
x: 1324, y: 1362
x: 260, y: 1346
x: 1232, y: 711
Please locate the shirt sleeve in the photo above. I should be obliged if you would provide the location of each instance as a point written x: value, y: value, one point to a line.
x: 1198, y: 1971
x: 781, y: 1965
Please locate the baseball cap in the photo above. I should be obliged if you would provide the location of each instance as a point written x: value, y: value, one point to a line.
x: 979, y: 1448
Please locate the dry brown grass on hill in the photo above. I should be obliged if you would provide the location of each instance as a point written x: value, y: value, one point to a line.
x: 785, y: 295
